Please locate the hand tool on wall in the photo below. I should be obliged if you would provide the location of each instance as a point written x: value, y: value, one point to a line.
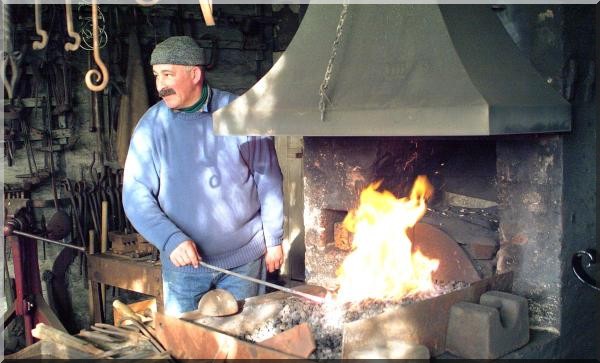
x: 207, y: 12
x: 38, y: 28
x: 103, y: 74
x: 104, y: 244
x: 60, y: 222
x: 73, y: 34
x: 10, y: 65
x: 146, y: 2
x: 10, y: 134
x: 75, y: 208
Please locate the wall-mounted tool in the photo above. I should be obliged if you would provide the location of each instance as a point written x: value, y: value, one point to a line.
x: 103, y: 77
x: 38, y: 28
x: 206, y: 8
x: 73, y: 34
x: 11, y: 60
x: 146, y: 2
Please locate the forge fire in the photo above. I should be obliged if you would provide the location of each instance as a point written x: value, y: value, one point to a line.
x: 382, y: 264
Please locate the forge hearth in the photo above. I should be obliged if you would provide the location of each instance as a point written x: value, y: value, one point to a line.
x: 498, y: 200
x: 340, y: 330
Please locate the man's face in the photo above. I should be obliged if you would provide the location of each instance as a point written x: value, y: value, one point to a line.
x: 177, y: 84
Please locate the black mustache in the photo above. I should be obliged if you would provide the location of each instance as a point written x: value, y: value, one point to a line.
x: 166, y: 92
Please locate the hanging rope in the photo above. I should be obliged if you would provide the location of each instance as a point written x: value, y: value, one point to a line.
x: 327, y: 78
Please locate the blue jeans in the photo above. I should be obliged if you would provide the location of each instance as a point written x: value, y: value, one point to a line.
x: 183, y: 290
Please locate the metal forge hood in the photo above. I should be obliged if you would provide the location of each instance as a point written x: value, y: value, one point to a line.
x: 400, y: 70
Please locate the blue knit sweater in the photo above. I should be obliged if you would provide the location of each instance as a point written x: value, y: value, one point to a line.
x: 183, y: 182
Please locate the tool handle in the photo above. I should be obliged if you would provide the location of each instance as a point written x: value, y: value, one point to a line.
x: 126, y: 311
x: 314, y: 298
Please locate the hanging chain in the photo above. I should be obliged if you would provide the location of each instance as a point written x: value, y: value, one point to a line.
x: 336, y: 42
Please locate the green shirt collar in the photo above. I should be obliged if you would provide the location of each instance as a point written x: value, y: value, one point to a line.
x: 202, y: 104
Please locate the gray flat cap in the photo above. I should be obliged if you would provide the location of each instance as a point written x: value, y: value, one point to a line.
x: 178, y: 50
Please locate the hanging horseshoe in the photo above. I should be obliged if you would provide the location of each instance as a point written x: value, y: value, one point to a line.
x: 38, y: 28
x: 93, y: 72
x: 73, y: 34
x: 146, y: 2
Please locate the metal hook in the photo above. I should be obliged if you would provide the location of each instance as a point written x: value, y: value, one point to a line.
x: 73, y: 34
x: 578, y: 269
x: 146, y: 2
x: 93, y: 72
x: 38, y: 28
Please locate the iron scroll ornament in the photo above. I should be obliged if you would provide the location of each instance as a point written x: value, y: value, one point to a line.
x: 578, y: 269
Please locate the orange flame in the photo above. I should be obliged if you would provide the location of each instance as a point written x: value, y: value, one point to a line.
x: 381, y: 264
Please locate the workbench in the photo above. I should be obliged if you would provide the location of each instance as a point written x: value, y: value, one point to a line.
x: 139, y: 275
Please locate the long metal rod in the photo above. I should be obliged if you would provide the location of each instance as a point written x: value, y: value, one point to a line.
x: 314, y: 298
x: 33, y: 236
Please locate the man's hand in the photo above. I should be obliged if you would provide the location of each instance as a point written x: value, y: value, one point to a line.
x: 185, y: 254
x: 274, y: 258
